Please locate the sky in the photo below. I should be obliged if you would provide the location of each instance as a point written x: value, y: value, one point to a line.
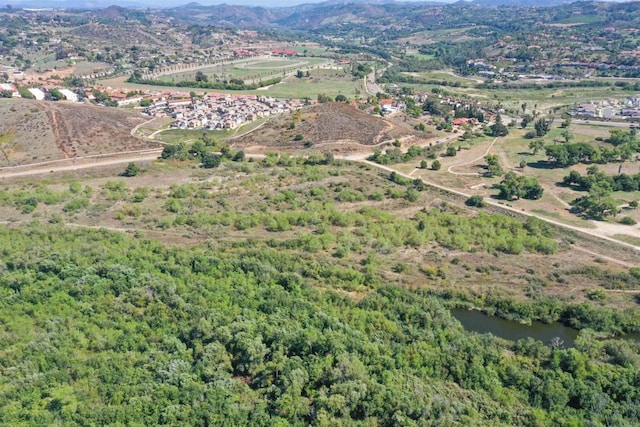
x: 155, y: 3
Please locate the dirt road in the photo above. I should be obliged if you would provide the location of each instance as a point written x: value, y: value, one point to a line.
x: 79, y: 163
x: 455, y: 165
x: 148, y: 155
x: 511, y: 209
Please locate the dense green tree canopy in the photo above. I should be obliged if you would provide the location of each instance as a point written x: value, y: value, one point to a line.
x: 101, y: 328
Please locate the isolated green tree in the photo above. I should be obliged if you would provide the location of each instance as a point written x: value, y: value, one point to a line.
x: 131, y: 170
x: 598, y: 204
x: 542, y: 126
x: 536, y: 145
x: 493, y: 167
x: 498, y: 128
x: 201, y: 77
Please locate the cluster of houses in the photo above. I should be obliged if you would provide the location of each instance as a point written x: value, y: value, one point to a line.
x: 219, y: 111
x: 389, y: 106
x: 39, y: 93
x: 483, y: 67
x: 628, y: 108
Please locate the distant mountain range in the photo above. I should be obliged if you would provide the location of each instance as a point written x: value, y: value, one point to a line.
x: 357, y: 16
x: 144, y: 4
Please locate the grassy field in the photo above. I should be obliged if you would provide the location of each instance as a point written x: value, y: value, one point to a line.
x: 542, y: 99
x: 431, y: 36
x: 174, y: 136
x: 299, y: 88
x: 321, y: 81
x: 420, y: 56
x: 250, y: 69
x: 583, y: 19
x: 85, y: 67
x: 314, y: 50
x: 448, y: 77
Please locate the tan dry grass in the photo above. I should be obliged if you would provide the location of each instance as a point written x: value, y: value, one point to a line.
x: 44, y: 131
x: 328, y: 127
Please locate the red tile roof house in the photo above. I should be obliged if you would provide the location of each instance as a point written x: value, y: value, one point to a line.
x: 284, y: 52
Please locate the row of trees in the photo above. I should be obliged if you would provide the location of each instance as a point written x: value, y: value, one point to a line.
x: 596, y: 177
x: 204, y: 83
x: 396, y: 155
x: 201, y: 151
x: 563, y: 155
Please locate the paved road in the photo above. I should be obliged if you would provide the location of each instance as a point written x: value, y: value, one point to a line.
x: 370, y: 86
x: 607, y: 124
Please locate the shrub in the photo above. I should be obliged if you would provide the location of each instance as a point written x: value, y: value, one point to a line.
x: 450, y: 151
x: 76, y: 205
x: 476, y: 201
x: 627, y: 220
x: 210, y: 160
x: 131, y: 170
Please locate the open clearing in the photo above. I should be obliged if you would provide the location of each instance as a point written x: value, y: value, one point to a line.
x: 333, y: 127
x: 249, y: 70
x: 35, y: 131
x: 320, y: 81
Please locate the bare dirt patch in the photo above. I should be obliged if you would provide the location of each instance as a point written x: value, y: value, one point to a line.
x: 38, y: 131
x: 332, y: 127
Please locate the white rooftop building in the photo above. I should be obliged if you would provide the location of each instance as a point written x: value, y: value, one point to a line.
x: 37, y: 93
x: 69, y: 95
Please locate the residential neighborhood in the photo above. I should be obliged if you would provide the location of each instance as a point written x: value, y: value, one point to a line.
x: 612, y: 109
x: 219, y: 111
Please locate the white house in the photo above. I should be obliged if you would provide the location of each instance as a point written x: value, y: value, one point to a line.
x: 37, y: 93
x: 69, y: 95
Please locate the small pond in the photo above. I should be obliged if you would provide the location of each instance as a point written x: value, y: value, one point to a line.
x: 476, y: 321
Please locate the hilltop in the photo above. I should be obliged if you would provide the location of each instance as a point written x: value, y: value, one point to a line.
x: 36, y: 131
x: 331, y: 127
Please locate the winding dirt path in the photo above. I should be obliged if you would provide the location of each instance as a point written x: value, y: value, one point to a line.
x: 450, y: 168
x: 152, y: 154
